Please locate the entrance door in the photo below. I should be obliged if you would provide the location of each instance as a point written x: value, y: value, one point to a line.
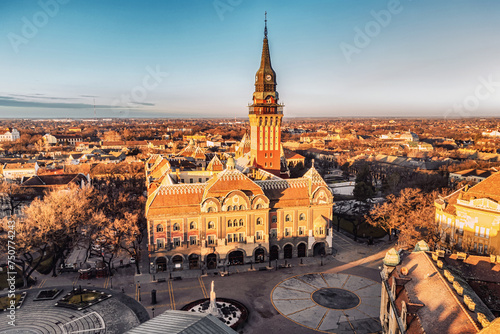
x: 259, y: 255
x: 301, y: 250
x: 288, y: 251
x: 236, y: 258
x: 177, y: 261
x: 194, y: 261
x: 319, y: 249
x: 211, y: 261
x: 161, y: 264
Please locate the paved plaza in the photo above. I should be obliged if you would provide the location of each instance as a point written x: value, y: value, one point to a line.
x: 338, y: 293
x: 338, y: 303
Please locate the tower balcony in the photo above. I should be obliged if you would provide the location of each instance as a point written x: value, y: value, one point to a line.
x: 266, y: 109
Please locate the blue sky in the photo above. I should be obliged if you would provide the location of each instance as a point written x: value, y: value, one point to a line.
x: 198, y: 58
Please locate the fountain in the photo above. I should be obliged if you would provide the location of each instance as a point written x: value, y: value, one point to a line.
x: 229, y: 311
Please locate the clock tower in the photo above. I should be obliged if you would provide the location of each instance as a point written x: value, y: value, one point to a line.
x: 265, y: 115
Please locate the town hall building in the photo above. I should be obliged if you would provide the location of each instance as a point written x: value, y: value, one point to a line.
x: 238, y: 210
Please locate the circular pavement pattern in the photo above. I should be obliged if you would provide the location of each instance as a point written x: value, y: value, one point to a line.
x: 333, y: 303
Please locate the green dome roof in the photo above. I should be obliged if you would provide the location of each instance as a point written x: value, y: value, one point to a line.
x: 391, y: 258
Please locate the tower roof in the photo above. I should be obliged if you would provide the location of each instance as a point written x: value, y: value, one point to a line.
x: 265, y: 77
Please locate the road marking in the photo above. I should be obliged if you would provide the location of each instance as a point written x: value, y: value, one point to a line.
x: 42, y: 283
x: 106, y: 282
x: 171, y: 294
x: 203, y: 288
x: 76, y: 279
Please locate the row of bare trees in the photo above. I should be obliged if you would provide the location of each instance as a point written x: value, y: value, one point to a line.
x: 108, y: 214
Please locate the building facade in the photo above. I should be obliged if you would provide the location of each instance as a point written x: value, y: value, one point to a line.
x: 9, y: 135
x: 469, y: 219
x: 242, y: 211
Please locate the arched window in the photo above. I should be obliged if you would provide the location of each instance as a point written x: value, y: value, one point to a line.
x: 229, y: 223
x: 211, y: 225
x: 259, y: 221
x: 176, y: 227
x: 159, y: 228
x: 241, y: 222
x: 192, y: 225
x: 288, y: 218
x: 235, y: 208
x: 242, y: 207
x: 302, y: 216
x: 210, y: 209
x: 259, y: 206
x: 229, y: 208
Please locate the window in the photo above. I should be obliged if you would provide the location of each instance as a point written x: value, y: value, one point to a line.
x: 481, y: 233
x: 258, y: 235
x: 177, y: 242
x: 271, y: 155
x: 477, y: 230
x: 320, y: 230
x: 192, y: 240
x: 270, y: 164
x: 302, y: 216
x: 160, y: 243
x: 229, y: 223
x: 211, y: 240
x: 241, y: 222
x: 210, y: 209
x: 288, y: 218
x: 259, y: 221
x: 229, y: 237
x: 265, y: 164
x: 301, y: 230
x: 199, y: 179
x: 159, y: 228
x: 273, y: 233
x: 235, y: 208
x: 242, y: 237
x: 487, y: 235
x: 288, y: 232
x: 192, y: 225
x: 190, y: 180
x: 176, y: 227
x: 259, y: 206
x: 265, y: 155
x: 211, y: 225
x: 480, y: 250
x: 274, y: 219
x: 485, y: 249
x: 242, y: 207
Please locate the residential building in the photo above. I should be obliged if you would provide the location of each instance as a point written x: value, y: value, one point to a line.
x: 469, y: 219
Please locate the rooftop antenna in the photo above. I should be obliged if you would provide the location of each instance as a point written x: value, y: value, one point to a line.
x: 265, y: 24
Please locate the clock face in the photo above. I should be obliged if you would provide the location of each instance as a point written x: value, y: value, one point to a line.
x: 268, y: 77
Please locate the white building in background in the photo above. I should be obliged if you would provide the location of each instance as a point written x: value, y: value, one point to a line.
x: 9, y: 135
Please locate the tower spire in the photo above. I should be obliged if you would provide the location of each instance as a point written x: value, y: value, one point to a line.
x: 265, y: 24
